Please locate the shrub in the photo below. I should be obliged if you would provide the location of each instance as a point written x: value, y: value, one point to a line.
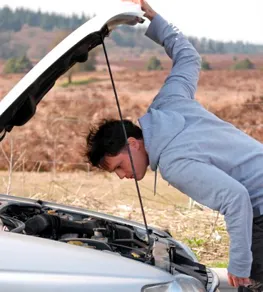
x: 154, y: 64
x: 10, y: 65
x: 243, y: 65
x: 205, y: 65
x: 18, y: 65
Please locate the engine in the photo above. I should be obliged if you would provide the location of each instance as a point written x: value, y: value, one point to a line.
x: 74, y: 229
x: 77, y: 228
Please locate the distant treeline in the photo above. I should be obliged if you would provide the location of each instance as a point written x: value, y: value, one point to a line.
x: 13, y: 20
x: 129, y: 37
x: 208, y: 46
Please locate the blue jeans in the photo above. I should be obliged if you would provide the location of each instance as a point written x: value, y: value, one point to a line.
x: 257, y: 250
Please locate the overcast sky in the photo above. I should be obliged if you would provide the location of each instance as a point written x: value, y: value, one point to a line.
x: 217, y: 19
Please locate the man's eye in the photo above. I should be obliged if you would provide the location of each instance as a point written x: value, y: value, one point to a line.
x: 118, y: 167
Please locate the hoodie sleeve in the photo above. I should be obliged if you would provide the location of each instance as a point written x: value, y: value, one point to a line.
x: 213, y: 188
x: 184, y: 75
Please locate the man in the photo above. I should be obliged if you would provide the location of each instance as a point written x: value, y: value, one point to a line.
x: 206, y: 158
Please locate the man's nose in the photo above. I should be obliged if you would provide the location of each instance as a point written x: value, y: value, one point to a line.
x: 120, y: 173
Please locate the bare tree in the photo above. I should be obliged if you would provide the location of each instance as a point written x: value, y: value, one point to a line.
x: 12, y: 164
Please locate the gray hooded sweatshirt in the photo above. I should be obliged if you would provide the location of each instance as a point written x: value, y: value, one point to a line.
x: 206, y: 158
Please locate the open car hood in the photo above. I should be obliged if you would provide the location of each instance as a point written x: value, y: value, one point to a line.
x: 19, y: 105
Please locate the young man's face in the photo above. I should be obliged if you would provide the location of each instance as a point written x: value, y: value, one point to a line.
x: 121, y: 164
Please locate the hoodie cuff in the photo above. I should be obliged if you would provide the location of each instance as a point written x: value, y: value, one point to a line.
x: 241, y: 270
x: 156, y: 29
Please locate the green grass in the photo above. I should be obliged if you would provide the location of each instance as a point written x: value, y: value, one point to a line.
x: 195, y: 242
x: 80, y: 82
x: 219, y: 265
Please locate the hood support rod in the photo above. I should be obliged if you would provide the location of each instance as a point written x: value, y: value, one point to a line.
x: 127, y: 143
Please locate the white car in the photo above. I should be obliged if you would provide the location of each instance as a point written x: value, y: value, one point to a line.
x: 57, y: 248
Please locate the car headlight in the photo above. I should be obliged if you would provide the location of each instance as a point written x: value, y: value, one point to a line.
x: 181, y: 283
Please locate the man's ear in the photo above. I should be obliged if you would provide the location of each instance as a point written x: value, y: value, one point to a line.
x: 134, y: 143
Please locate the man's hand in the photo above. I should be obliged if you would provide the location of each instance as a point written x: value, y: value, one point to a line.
x: 236, y: 281
x: 149, y: 12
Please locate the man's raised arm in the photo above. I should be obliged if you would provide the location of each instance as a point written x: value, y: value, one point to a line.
x: 182, y: 81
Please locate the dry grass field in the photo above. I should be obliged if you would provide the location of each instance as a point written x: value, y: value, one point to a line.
x: 47, y: 153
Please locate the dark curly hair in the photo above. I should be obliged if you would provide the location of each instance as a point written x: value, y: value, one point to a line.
x: 107, y: 138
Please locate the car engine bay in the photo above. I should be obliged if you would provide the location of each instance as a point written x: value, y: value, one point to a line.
x: 38, y: 219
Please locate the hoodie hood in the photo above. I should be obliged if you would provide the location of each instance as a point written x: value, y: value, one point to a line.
x: 159, y: 129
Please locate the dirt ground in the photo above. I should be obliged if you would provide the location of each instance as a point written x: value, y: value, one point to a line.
x: 54, y: 141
